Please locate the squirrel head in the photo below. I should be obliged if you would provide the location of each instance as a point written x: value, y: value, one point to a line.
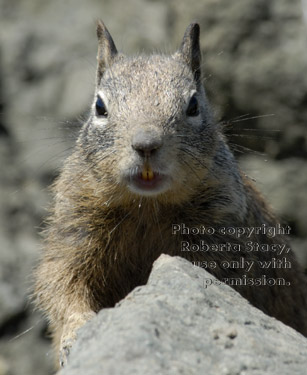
x: 150, y: 132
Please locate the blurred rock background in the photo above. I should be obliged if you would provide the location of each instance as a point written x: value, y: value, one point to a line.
x: 254, y: 63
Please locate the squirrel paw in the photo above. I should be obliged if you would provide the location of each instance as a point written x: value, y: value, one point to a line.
x: 64, y: 351
x: 69, y: 334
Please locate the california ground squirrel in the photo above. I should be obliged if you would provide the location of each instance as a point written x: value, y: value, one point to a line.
x: 149, y: 164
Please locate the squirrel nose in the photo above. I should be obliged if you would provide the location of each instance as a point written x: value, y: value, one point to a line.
x: 146, y: 142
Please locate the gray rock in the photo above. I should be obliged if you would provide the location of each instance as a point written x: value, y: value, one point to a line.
x: 173, y: 325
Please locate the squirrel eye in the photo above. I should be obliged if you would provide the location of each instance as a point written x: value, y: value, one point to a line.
x: 101, y: 108
x: 193, y: 109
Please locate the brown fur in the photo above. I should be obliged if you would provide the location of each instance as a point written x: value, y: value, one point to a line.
x: 102, y: 237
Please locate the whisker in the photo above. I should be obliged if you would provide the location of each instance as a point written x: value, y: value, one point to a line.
x: 91, y: 165
x: 246, y: 136
x: 244, y: 149
x: 25, y: 332
x: 192, y: 169
x: 141, y: 216
x: 244, y: 118
x: 261, y: 130
x: 155, y: 211
x: 118, y: 224
x: 190, y: 153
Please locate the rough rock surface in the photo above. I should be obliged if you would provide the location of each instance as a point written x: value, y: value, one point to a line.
x: 173, y: 325
x: 254, y: 64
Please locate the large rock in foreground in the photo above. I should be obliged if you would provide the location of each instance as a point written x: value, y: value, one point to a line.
x: 173, y: 325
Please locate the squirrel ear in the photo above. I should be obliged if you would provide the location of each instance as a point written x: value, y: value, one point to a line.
x: 106, y: 49
x: 190, y: 50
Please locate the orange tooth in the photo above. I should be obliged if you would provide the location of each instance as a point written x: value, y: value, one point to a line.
x: 150, y: 174
x: 147, y: 173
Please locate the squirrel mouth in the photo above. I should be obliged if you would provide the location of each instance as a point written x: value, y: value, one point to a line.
x: 147, y: 182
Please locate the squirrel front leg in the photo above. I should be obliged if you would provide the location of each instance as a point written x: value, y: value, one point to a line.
x: 66, y: 301
x: 75, y: 319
